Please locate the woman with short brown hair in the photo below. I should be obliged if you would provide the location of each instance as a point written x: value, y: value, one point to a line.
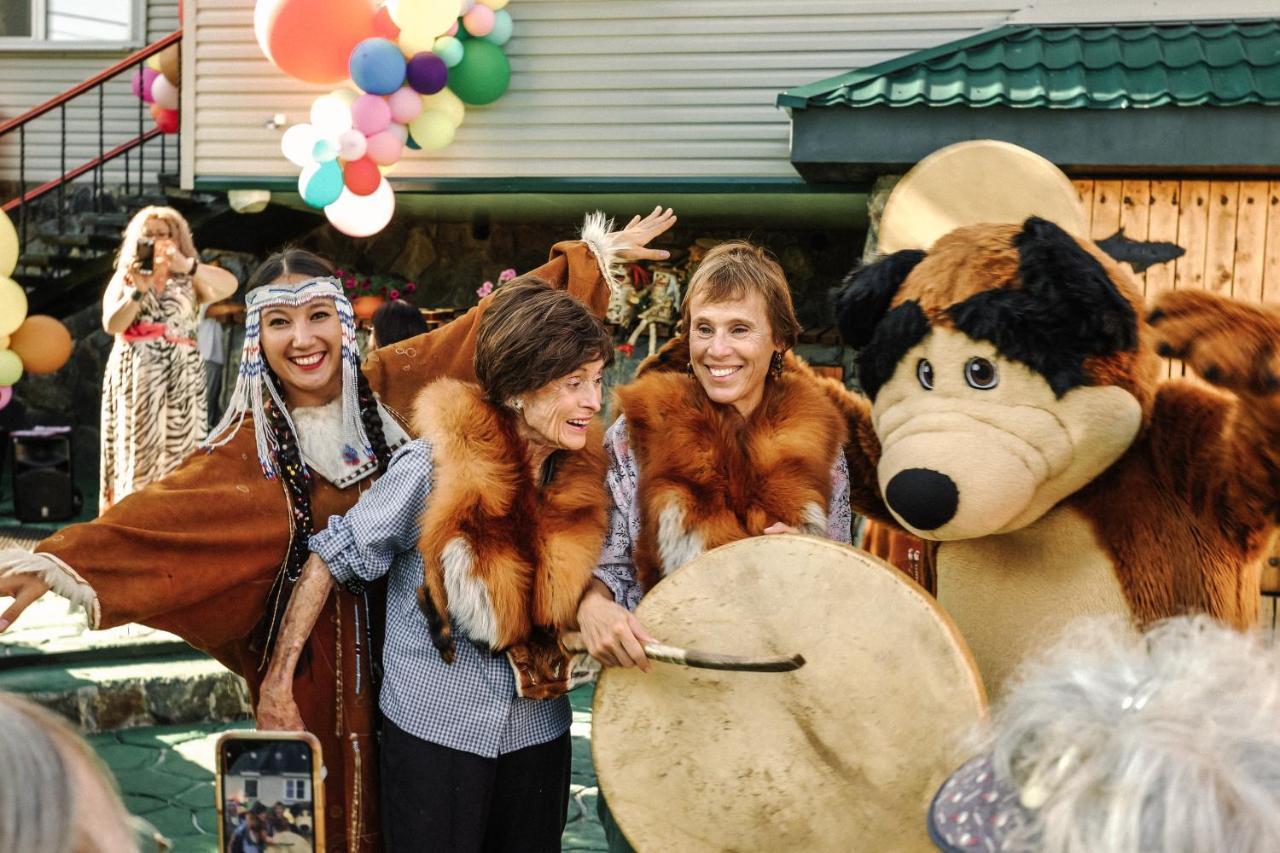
x: 487, y: 528
x: 723, y: 435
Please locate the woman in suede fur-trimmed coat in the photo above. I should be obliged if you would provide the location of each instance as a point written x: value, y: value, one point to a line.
x: 197, y: 552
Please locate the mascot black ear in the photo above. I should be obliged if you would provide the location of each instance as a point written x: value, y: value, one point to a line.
x: 861, y: 302
x: 1066, y: 310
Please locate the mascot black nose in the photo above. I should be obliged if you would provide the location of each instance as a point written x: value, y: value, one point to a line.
x: 924, y: 499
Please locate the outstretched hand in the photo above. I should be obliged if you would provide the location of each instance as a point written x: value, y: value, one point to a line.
x: 631, y: 243
x: 24, y: 587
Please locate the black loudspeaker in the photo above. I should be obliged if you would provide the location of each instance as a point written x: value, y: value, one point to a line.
x: 43, y: 488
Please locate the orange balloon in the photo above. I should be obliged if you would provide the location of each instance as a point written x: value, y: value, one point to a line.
x: 312, y: 40
x: 43, y: 344
x: 171, y: 64
x: 166, y: 120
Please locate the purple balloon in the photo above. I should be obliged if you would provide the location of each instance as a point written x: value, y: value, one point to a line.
x: 142, y: 80
x: 427, y: 73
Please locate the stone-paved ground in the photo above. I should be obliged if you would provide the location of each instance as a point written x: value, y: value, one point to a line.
x: 166, y: 776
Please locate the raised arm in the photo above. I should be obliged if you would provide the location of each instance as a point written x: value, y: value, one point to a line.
x: 398, y: 372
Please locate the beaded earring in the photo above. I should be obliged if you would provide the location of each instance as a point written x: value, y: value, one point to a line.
x: 775, y: 365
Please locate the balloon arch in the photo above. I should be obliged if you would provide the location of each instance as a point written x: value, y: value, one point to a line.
x: 417, y: 65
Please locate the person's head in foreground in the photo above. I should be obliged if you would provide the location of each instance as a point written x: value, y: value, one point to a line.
x: 541, y: 354
x: 55, y: 794
x: 740, y: 320
x: 1167, y: 742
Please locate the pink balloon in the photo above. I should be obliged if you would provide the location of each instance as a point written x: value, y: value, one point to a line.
x: 370, y: 114
x: 6, y: 394
x: 385, y: 148
x: 351, y: 145
x: 401, y: 132
x: 479, y: 21
x: 142, y: 80
x: 405, y: 105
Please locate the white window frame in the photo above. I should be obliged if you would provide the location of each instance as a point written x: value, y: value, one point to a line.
x: 301, y: 784
x: 245, y: 783
x: 39, y: 41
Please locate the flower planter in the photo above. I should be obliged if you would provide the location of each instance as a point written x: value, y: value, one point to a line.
x: 364, y: 306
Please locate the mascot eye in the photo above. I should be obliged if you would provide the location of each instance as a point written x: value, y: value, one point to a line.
x: 981, y: 374
x: 924, y: 372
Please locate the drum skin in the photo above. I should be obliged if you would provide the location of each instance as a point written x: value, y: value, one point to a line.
x: 844, y: 753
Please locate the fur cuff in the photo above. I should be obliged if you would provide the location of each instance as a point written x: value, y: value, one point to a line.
x: 60, y: 577
x: 596, y: 228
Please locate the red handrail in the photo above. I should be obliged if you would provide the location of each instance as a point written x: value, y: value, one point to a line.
x: 32, y: 195
x: 123, y: 65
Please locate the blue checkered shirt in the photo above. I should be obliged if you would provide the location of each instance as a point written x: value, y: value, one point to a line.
x: 470, y: 705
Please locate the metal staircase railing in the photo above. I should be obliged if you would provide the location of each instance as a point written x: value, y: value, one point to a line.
x: 22, y: 204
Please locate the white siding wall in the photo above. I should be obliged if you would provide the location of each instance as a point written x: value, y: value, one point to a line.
x: 617, y: 88
x: 28, y: 78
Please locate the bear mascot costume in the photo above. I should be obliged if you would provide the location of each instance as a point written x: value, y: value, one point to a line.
x: 1015, y: 418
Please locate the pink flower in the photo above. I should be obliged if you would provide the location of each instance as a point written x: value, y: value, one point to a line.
x: 394, y: 294
x: 410, y: 287
x: 626, y: 349
x: 485, y: 289
x: 506, y: 276
x: 340, y: 272
x: 349, y: 284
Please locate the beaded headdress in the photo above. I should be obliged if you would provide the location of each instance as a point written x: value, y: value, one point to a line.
x: 253, y: 386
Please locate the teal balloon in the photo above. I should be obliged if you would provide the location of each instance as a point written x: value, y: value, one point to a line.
x: 483, y: 74
x: 503, y: 27
x: 324, y: 151
x: 412, y: 144
x: 321, y: 184
x: 449, y: 49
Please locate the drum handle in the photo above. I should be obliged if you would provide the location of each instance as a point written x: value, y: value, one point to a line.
x: 573, y: 643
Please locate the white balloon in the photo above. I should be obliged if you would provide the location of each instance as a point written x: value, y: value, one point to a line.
x: 362, y: 215
x: 164, y: 93
x: 400, y: 130
x: 330, y: 115
x: 297, y: 144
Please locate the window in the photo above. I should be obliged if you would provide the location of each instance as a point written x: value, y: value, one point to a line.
x: 251, y: 789
x: 295, y: 789
x: 67, y: 20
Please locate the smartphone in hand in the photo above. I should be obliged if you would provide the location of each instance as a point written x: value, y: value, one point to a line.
x: 270, y: 789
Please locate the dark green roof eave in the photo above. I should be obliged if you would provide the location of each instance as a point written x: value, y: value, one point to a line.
x: 799, y: 97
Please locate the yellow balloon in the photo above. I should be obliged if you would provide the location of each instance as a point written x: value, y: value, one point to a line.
x: 4, y: 341
x: 10, y: 367
x: 432, y: 129
x: 495, y: 5
x: 424, y: 18
x: 13, y: 307
x: 387, y: 170
x: 8, y: 245
x: 412, y: 43
x: 153, y: 62
x: 446, y: 102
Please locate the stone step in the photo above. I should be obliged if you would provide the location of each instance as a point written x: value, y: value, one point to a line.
x: 97, y: 697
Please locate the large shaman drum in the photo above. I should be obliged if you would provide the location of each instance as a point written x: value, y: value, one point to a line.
x: 843, y: 754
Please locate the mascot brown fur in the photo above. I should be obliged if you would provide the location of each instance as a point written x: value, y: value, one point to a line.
x: 1014, y: 416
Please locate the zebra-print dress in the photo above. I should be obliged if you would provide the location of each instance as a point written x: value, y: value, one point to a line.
x: 153, y: 404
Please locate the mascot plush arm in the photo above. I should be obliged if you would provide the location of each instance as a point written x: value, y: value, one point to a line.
x: 1224, y: 452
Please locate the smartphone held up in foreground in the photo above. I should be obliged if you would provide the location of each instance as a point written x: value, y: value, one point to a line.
x: 270, y: 792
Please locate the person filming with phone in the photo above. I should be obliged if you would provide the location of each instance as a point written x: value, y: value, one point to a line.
x: 153, y: 392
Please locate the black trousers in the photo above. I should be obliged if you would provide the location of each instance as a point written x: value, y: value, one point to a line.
x: 439, y: 799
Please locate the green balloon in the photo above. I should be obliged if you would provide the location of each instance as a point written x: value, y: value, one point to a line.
x: 483, y: 74
x: 10, y: 367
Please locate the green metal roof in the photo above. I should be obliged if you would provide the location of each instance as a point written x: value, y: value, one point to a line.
x: 1221, y: 64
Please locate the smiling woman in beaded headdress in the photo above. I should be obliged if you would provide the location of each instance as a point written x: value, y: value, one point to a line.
x: 211, y: 551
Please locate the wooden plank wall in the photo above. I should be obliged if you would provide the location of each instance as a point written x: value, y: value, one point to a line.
x: 1230, y: 231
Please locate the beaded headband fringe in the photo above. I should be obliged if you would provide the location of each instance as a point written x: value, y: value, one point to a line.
x: 248, y: 396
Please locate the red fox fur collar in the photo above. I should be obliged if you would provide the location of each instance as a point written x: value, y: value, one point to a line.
x: 503, y: 555
x: 708, y: 477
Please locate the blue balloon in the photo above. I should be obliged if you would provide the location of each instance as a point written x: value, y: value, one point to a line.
x: 377, y: 66
x: 324, y: 151
x: 321, y: 184
x: 503, y: 27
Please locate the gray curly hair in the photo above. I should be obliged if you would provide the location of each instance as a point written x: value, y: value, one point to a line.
x: 1164, y: 741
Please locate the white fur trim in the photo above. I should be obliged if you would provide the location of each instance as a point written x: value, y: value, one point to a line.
x: 469, y: 602
x: 676, y: 544
x: 60, y: 577
x: 815, y: 520
x: 596, y: 228
x: 322, y: 435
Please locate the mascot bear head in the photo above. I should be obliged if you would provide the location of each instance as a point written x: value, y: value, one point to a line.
x: 1005, y: 370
